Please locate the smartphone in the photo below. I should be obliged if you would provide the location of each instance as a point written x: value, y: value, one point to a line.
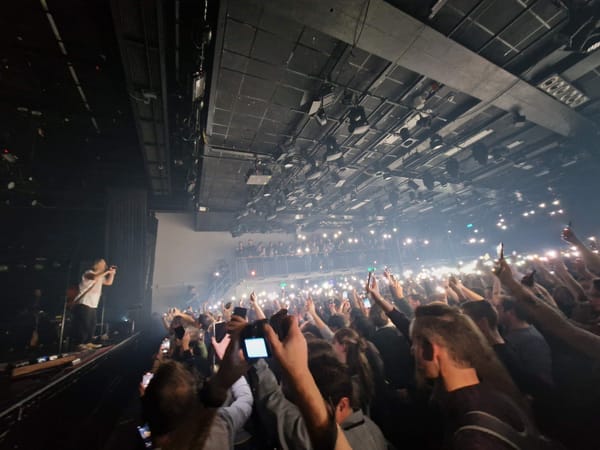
x: 255, y: 348
x: 369, y: 278
x: 165, y: 345
x: 144, y: 431
x: 345, y: 294
x: 179, y: 332
x: 239, y: 311
x: 500, y: 250
x: 146, y: 379
x: 366, y: 302
x: 220, y: 331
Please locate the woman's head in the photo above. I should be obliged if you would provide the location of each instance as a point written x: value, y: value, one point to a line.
x: 350, y: 349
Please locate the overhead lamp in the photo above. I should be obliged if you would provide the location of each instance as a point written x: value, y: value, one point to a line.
x: 413, y: 185
x: 428, y: 181
x: 334, y: 152
x: 321, y: 117
x: 436, y: 142
x: 452, y: 167
x: 480, y: 153
x: 358, y: 121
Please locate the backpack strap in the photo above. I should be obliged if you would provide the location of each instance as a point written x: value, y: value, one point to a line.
x: 491, y: 425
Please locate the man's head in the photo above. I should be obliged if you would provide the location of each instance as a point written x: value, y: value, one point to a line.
x: 415, y: 300
x: 483, y: 314
x: 446, y: 341
x: 336, y: 322
x: 510, y: 313
x: 377, y: 316
x: 334, y: 383
x: 99, y: 265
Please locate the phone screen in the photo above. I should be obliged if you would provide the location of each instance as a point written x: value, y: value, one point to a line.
x: 146, y: 379
x: 500, y: 250
x: 345, y: 294
x: 220, y: 331
x: 367, y: 302
x: 165, y: 345
x: 145, y: 435
x: 256, y: 348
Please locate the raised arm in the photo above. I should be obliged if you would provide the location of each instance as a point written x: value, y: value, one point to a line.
x: 550, y: 321
x: 292, y: 354
x: 322, y: 326
x: 592, y: 260
x: 260, y: 314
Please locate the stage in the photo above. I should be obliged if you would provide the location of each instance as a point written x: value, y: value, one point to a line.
x: 71, y: 404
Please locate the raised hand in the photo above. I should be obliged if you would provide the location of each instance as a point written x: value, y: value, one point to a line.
x: 310, y: 305
x: 503, y: 271
x: 220, y: 347
x: 569, y: 236
x: 252, y: 298
x: 292, y: 352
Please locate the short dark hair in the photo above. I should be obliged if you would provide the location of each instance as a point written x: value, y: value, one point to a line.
x: 336, y: 321
x: 510, y: 304
x: 481, y: 309
x: 332, y: 378
x: 377, y: 316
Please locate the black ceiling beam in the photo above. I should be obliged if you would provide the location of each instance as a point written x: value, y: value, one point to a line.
x: 397, y: 37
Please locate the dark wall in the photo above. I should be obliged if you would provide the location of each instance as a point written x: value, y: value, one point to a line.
x: 45, y: 248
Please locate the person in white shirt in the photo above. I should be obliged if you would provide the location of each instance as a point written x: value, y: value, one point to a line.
x: 84, y: 311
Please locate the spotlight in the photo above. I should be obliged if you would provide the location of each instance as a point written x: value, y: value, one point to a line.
x: 320, y: 117
x: 11, y: 185
x: 518, y: 120
x: 480, y: 154
x: 452, y: 167
x: 358, y: 121
x: 404, y: 134
x: 334, y: 152
x: 428, y: 181
x: 413, y: 185
x: 436, y: 142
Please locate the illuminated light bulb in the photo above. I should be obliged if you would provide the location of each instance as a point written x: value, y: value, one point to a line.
x: 542, y: 205
x: 426, y: 242
x: 372, y: 231
x: 556, y: 202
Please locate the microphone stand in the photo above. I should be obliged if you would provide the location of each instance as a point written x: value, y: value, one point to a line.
x: 64, y: 313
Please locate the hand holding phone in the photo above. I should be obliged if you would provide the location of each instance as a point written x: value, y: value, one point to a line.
x: 239, y: 311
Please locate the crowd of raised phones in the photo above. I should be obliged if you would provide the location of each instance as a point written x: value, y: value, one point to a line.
x: 507, y: 358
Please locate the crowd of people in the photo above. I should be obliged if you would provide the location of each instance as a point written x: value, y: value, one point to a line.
x: 506, y: 357
x: 315, y: 244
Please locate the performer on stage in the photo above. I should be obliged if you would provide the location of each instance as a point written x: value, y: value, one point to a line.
x: 84, y: 311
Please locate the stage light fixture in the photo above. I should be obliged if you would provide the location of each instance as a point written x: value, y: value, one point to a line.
x: 436, y: 142
x: 321, y: 117
x: 428, y: 181
x: 452, y: 167
x: 387, y: 175
x: 480, y: 153
x: 413, y: 185
x: 404, y: 134
x: 518, y: 120
x: 358, y: 121
x: 334, y: 152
